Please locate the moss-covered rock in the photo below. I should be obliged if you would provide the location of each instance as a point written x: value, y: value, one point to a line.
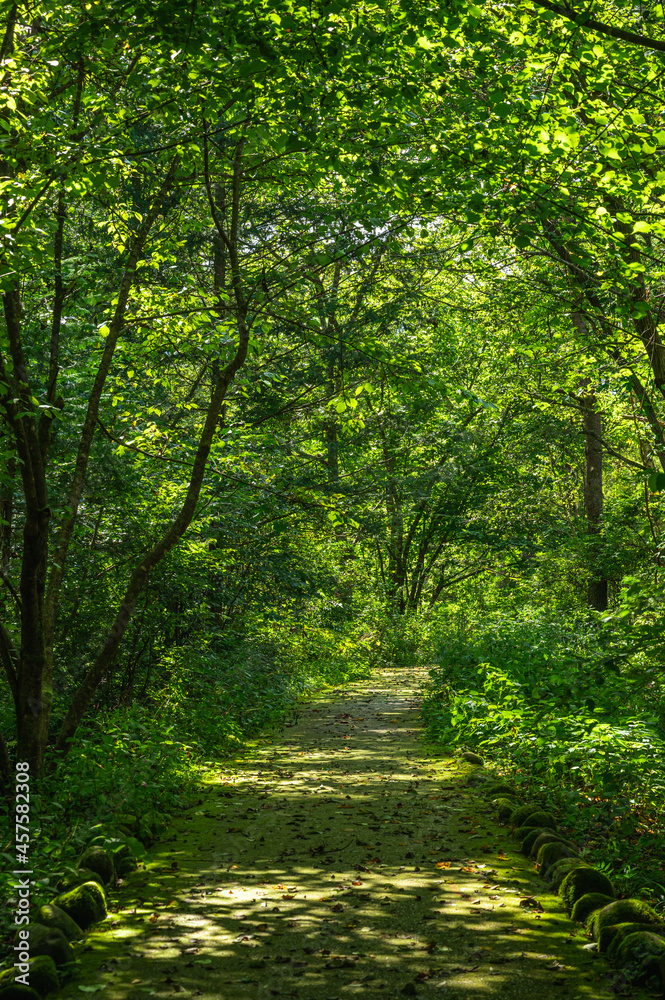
x: 504, y: 808
x: 86, y: 904
x: 611, y: 937
x: 540, y: 818
x: 641, y: 956
x: 53, y: 916
x: 124, y: 860
x: 522, y: 813
x: 547, y: 838
x: 472, y: 758
x: 608, y: 935
x: 6, y: 978
x: 501, y: 788
x: 49, y: 941
x: 43, y: 975
x: 549, y: 853
x: 72, y: 879
x: 622, y: 911
x: 17, y: 991
x: 589, y: 903
x: 122, y: 850
x: 97, y: 859
x: 582, y: 881
x: 531, y: 836
x: 558, y: 871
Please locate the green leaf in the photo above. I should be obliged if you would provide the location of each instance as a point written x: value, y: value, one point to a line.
x: 656, y: 482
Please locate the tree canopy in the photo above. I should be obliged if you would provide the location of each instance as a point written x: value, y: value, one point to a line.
x: 325, y: 326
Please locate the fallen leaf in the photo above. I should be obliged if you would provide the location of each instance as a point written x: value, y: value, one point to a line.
x: 528, y: 902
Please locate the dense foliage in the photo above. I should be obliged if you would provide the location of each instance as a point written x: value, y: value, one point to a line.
x: 332, y: 337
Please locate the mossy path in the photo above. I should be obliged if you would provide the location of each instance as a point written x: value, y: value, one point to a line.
x: 346, y: 858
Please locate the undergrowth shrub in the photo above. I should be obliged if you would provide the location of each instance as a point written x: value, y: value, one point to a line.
x: 149, y: 757
x: 127, y: 761
x: 544, y: 700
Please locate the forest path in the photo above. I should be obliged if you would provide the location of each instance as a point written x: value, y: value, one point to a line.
x: 345, y: 859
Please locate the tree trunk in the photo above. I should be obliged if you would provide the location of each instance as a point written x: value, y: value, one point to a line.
x: 227, y: 242
x: 593, y: 499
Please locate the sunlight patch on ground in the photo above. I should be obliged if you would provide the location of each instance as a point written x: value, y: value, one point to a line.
x: 344, y: 859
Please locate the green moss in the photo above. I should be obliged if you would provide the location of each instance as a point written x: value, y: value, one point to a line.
x: 504, y: 808
x: 53, y: 916
x: 98, y: 859
x: 582, y: 881
x: 42, y: 976
x: 86, y: 904
x: 549, y: 853
x: 531, y: 836
x: 612, y: 937
x: 547, y: 838
x: 540, y: 818
x: 121, y: 850
x: 7, y: 978
x: 589, y: 903
x: 49, y: 941
x: 501, y: 788
x: 641, y: 955
x: 71, y: 880
x: 558, y: 871
x: 620, y: 912
x: 522, y: 813
x: 17, y: 991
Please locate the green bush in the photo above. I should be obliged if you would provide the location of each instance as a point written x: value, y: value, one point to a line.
x: 571, y: 721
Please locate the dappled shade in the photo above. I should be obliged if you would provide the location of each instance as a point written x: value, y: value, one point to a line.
x: 344, y: 859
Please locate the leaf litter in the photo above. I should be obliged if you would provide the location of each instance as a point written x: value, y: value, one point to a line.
x: 404, y: 907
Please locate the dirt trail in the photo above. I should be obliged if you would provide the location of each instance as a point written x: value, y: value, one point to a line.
x: 346, y: 859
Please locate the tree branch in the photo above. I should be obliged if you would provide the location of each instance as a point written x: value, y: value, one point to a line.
x: 610, y: 449
x: 582, y: 20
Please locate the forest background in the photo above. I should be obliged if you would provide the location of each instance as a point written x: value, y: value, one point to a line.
x: 331, y: 338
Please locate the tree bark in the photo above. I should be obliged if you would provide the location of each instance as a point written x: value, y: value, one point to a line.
x: 224, y: 242
x: 645, y: 328
x: 139, y: 577
x: 593, y: 499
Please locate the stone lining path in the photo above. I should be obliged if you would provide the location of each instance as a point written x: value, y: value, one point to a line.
x: 345, y: 859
